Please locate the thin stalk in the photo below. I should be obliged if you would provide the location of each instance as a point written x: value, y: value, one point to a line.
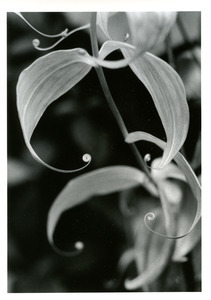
x: 109, y: 98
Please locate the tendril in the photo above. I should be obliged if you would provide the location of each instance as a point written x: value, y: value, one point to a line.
x: 86, y: 158
x: 147, y: 158
x: 78, y: 248
x: 151, y: 217
x: 36, y: 42
x: 64, y: 34
x: 126, y: 37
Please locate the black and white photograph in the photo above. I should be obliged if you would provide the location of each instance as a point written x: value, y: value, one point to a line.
x: 104, y: 151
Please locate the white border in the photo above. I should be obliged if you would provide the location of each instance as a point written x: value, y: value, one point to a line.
x: 111, y: 5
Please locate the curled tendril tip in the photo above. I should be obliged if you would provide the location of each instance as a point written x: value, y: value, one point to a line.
x: 64, y: 34
x: 87, y: 158
x: 78, y: 248
x: 147, y: 158
x: 150, y: 216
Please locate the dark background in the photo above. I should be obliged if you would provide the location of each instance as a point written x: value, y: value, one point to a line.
x: 79, y: 123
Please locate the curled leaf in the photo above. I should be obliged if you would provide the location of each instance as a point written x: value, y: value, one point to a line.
x: 182, y: 196
x: 168, y: 94
x: 45, y: 81
x: 166, y: 89
x: 184, y: 167
x: 186, y: 214
x: 82, y: 188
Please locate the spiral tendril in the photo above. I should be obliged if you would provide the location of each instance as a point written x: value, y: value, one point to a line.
x: 150, y: 216
x: 86, y: 157
x: 147, y: 158
x: 78, y: 248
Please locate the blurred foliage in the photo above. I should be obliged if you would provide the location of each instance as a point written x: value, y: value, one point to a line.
x: 81, y: 122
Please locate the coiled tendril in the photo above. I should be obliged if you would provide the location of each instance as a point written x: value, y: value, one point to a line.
x: 78, y: 248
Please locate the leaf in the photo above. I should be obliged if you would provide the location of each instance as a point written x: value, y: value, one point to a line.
x: 184, y: 167
x: 113, y: 24
x: 183, y: 196
x: 170, y: 171
x: 186, y: 214
x: 141, y: 29
x: 166, y: 89
x: 168, y: 94
x: 82, y: 188
x: 45, y: 81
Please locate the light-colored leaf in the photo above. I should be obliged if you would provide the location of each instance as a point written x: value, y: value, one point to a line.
x: 170, y: 171
x: 113, y: 24
x: 185, y: 216
x: 183, y: 196
x: 82, y: 188
x: 166, y: 89
x: 141, y: 29
x: 184, y: 167
x: 45, y: 81
x: 168, y: 94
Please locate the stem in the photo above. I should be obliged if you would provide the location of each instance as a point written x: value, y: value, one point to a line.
x: 103, y: 81
x: 109, y: 98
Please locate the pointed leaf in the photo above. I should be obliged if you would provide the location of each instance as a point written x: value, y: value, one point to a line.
x: 100, y: 182
x: 166, y: 89
x: 186, y: 214
x: 183, y: 196
x: 168, y: 94
x: 45, y: 81
x: 184, y: 167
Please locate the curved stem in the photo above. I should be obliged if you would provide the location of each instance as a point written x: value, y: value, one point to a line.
x: 109, y: 98
x: 102, y: 79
